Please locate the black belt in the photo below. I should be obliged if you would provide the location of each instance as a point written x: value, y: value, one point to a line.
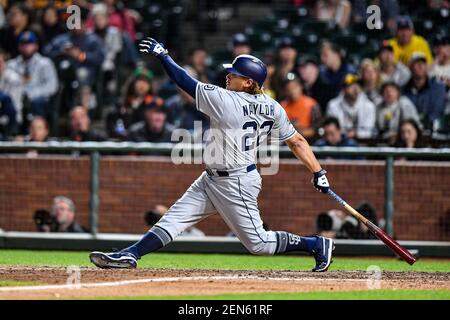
x: 224, y: 173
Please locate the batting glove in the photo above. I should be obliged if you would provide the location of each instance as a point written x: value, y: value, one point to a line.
x: 151, y: 46
x: 320, y: 181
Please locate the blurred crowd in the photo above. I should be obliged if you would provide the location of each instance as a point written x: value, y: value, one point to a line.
x: 56, y: 83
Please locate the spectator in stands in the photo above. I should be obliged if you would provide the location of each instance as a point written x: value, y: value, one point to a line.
x: 85, y: 52
x: 334, y: 68
x: 354, y: 229
x: 8, y: 117
x: 333, y: 137
x: 438, y: 4
x: 371, y: 80
x: 3, y: 4
x: 409, y: 135
x: 197, y: 66
x: 120, y: 17
x: 111, y: 36
x: 440, y: 70
x: 336, y: 11
x: 313, y: 85
x: 42, y: 4
x: 154, y: 128
x: 19, y: 20
x: 63, y: 211
x: 38, y: 74
x: 303, y: 111
x: 393, y: 109
x: 11, y: 84
x: 285, y: 65
x: 389, y: 68
x: 406, y: 42
x: 267, y: 86
x: 428, y: 95
x: 240, y: 45
x: 183, y: 113
x: 114, y: 45
x: 51, y: 26
x: 81, y: 126
x: 38, y: 132
x: 355, y: 112
x: 131, y: 109
x: 329, y: 223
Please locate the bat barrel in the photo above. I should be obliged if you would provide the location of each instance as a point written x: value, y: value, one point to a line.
x: 380, y: 234
x: 396, y: 247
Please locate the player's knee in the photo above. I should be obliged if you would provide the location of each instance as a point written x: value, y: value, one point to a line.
x: 261, y: 249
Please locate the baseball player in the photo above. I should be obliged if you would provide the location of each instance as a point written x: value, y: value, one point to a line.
x: 241, y: 117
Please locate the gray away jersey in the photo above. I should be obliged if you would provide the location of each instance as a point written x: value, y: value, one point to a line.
x: 240, y: 123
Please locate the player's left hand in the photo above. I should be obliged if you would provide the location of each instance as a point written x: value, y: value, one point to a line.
x: 320, y: 181
x: 151, y: 46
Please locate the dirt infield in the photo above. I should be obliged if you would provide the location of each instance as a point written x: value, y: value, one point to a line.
x: 52, y: 282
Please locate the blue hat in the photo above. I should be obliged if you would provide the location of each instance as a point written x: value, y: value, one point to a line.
x: 404, y: 22
x: 28, y: 37
x: 248, y: 66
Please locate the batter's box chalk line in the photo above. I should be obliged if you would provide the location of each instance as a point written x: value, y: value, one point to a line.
x: 167, y: 279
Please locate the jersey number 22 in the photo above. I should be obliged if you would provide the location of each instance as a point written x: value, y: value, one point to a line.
x: 248, y: 139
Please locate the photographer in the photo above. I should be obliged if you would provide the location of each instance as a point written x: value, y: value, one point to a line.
x: 337, y: 224
x: 60, y: 219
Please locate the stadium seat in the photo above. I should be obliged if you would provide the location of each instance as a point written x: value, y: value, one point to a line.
x: 425, y: 27
x: 438, y: 16
x: 297, y: 15
x: 170, y: 5
x: 266, y: 24
x: 318, y: 27
x: 378, y: 34
x: 351, y: 43
x: 355, y: 58
x: 217, y: 58
x: 441, y: 128
x: 306, y: 40
x: 407, y: 6
x: 282, y: 27
x: 261, y: 40
x: 138, y: 5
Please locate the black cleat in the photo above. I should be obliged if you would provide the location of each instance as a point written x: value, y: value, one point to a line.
x: 114, y: 260
x: 323, y: 254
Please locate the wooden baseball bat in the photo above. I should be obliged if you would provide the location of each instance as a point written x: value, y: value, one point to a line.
x: 377, y: 232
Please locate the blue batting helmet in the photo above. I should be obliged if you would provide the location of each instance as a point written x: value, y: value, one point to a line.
x: 248, y: 66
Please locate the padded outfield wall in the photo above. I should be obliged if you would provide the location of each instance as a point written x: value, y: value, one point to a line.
x: 129, y: 186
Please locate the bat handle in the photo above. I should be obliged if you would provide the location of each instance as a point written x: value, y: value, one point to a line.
x: 336, y: 197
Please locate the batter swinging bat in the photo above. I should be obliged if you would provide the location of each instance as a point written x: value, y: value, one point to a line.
x: 380, y: 234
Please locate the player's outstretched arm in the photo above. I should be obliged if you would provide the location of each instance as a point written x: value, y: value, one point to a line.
x: 300, y: 147
x: 175, y: 72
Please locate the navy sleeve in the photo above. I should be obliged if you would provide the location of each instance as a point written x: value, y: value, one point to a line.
x: 179, y: 75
